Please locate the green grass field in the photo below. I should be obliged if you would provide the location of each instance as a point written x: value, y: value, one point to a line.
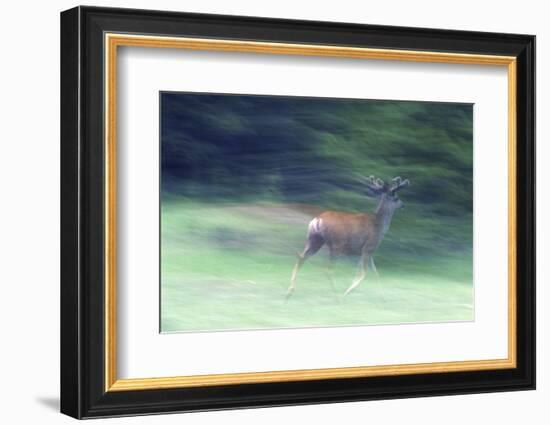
x: 227, y: 267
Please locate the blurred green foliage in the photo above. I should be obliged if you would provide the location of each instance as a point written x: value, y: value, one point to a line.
x: 231, y: 148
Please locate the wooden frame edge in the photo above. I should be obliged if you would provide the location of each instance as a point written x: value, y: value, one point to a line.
x: 306, y: 375
x: 114, y: 40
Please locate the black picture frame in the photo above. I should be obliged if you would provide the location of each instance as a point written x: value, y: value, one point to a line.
x: 83, y: 392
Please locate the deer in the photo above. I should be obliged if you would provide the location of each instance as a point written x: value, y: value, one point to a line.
x: 353, y: 234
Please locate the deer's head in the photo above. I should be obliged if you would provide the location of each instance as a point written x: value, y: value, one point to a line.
x: 386, y: 192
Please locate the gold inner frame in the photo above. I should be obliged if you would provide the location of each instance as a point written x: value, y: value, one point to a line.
x: 113, y: 41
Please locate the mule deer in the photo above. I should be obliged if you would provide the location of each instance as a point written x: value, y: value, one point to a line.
x: 353, y: 234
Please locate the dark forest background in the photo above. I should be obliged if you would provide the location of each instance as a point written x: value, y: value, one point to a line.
x: 227, y: 148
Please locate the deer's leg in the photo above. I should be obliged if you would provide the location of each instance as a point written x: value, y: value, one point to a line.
x: 301, y: 260
x: 373, y: 267
x: 314, y: 244
x: 361, y: 272
x: 330, y: 270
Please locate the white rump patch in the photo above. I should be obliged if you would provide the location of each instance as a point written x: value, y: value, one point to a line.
x: 315, y: 225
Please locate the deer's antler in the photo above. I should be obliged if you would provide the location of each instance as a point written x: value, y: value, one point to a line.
x: 397, y: 183
x: 374, y: 184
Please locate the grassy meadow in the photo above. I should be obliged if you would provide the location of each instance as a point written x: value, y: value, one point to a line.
x: 228, y: 267
x: 242, y: 176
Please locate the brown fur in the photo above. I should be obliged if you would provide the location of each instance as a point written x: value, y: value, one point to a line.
x: 349, y: 234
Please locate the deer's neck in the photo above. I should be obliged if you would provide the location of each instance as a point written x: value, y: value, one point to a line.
x: 384, y: 214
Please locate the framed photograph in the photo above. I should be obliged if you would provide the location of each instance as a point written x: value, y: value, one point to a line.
x: 261, y: 212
